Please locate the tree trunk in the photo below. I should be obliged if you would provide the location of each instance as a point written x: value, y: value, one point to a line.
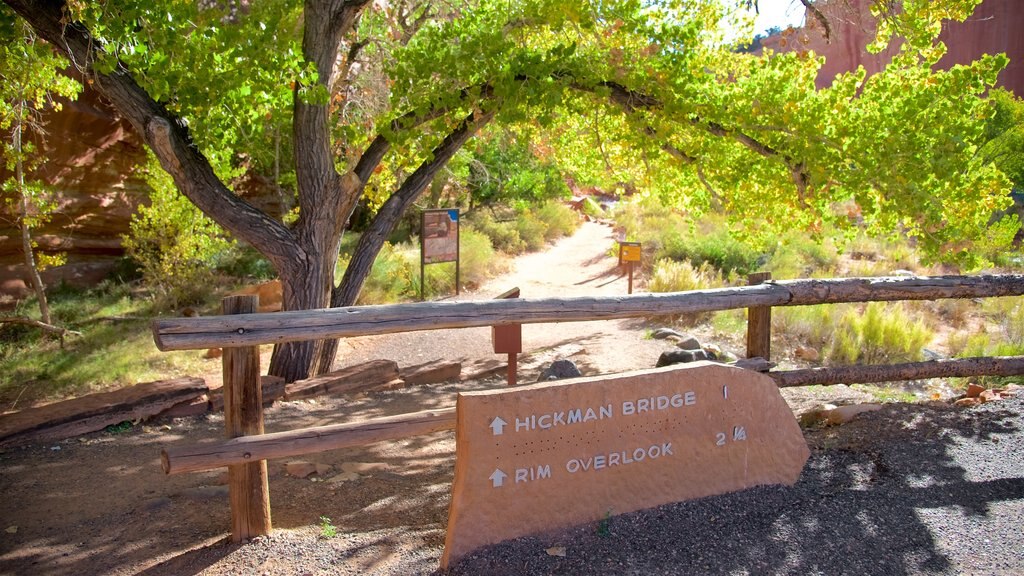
x: 26, y: 237
x: 384, y: 223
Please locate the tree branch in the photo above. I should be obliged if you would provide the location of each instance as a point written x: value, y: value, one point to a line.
x: 820, y: 18
x: 44, y: 326
x: 387, y: 217
x: 161, y: 130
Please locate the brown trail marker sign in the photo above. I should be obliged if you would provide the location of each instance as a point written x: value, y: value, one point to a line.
x: 558, y: 454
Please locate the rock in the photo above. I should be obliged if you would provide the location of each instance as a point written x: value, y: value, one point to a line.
x: 967, y: 402
x: 806, y: 353
x: 344, y: 477
x: 689, y: 343
x: 1009, y: 391
x: 300, y: 468
x: 757, y: 364
x: 989, y: 396
x: 364, y: 467
x: 816, y: 416
x: 663, y: 333
x: 560, y: 370
x: 974, y: 390
x: 322, y: 469
x: 680, y: 356
x: 844, y: 414
x: 213, y: 353
x: 556, y: 551
x: 726, y: 356
x: 11, y: 530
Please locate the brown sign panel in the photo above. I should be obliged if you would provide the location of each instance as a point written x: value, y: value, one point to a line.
x: 563, y: 453
x: 440, y: 236
x: 629, y: 251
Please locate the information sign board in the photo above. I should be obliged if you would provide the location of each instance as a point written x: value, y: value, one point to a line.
x: 630, y: 251
x: 440, y: 236
x: 557, y: 454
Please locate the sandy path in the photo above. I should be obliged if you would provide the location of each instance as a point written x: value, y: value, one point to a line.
x: 579, y: 265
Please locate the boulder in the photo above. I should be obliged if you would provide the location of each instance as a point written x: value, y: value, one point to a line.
x: 680, y: 356
x: 689, y: 343
x: 844, y: 414
x: 560, y: 370
x: 664, y: 333
x: 974, y: 390
x: 806, y: 353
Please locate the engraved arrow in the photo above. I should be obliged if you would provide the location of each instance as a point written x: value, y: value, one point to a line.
x: 497, y: 426
x: 497, y: 478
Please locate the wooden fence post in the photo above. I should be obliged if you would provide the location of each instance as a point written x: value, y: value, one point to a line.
x: 243, y: 416
x: 759, y: 323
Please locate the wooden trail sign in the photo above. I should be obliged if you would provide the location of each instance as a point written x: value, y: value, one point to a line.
x: 564, y: 453
x: 630, y: 252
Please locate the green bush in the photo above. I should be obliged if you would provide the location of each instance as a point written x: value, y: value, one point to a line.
x: 174, y: 244
x: 882, y: 333
x: 503, y: 236
x: 532, y: 230
x: 813, y: 325
x: 796, y: 255
x: 394, y: 276
x: 672, y: 276
x: 559, y: 219
x: 478, y: 258
x: 242, y: 261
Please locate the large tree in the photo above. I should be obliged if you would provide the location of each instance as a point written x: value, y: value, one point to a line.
x: 374, y: 98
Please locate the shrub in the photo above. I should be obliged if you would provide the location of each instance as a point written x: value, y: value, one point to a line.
x: 503, y: 235
x: 393, y: 277
x: 672, y: 276
x: 795, y: 255
x: 813, y: 325
x: 174, y: 244
x: 531, y: 230
x: 241, y: 261
x: 559, y: 219
x: 478, y: 258
x: 882, y: 333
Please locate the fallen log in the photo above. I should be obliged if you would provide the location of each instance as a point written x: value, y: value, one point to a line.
x: 247, y: 449
x: 950, y: 368
x: 350, y: 380
x: 95, y: 412
x: 431, y: 373
x: 273, y: 390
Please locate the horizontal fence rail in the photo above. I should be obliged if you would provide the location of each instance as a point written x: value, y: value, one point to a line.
x: 250, y: 330
x: 181, y: 459
x: 304, y: 441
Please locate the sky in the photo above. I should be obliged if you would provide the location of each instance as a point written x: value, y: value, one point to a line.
x: 781, y: 13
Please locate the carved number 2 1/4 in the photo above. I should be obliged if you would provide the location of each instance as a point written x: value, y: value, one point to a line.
x: 738, y: 433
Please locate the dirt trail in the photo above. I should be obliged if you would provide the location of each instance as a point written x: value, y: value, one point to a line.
x: 579, y: 265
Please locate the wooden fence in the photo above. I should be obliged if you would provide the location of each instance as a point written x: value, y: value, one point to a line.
x: 240, y: 332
